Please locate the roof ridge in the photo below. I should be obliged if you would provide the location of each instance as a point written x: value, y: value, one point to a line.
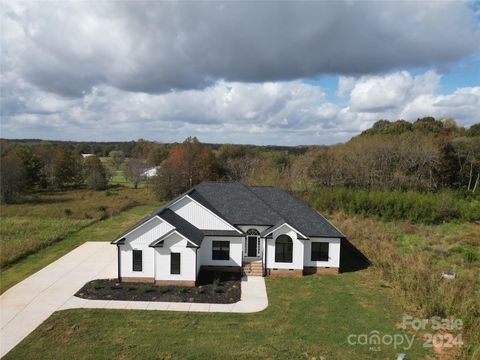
x: 263, y: 201
x: 284, y: 218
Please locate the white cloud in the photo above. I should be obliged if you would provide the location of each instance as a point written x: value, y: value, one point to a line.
x: 267, y: 113
x: 227, y: 71
x: 382, y: 93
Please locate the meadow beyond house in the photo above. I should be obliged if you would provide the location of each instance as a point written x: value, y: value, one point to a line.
x: 228, y: 226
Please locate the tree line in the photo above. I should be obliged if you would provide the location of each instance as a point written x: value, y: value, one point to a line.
x: 426, y: 155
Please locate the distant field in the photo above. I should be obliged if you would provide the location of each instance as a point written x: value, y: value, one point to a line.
x: 118, y: 177
x: 45, y: 218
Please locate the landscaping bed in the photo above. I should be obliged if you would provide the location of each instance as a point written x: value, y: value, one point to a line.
x: 213, y: 287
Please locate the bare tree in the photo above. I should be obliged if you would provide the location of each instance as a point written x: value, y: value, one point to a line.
x: 13, y: 177
x: 134, y: 171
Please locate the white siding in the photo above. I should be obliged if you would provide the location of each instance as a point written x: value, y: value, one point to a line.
x: 298, y: 248
x: 177, y: 244
x: 236, y: 252
x: 139, y: 239
x: 333, y: 253
x: 199, y: 216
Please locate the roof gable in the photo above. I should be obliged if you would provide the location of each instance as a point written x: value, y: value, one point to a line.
x: 296, y: 212
x: 181, y: 225
x: 236, y: 203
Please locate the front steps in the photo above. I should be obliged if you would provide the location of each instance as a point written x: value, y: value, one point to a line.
x: 252, y: 268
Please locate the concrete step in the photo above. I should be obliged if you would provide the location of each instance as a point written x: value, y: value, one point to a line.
x: 259, y: 273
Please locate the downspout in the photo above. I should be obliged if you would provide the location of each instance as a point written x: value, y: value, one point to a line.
x: 196, y: 262
x: 118, y: 263
x: 266, y: 257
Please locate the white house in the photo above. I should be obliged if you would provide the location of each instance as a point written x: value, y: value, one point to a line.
x: 228, y: 226
x: 150, y: 172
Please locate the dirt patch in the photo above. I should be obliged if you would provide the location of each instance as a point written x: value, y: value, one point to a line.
x: 213, y: 287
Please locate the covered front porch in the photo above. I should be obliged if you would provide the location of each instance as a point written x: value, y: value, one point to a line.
x: 253, y: 250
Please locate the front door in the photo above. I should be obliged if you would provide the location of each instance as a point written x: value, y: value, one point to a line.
x: 252, y: 246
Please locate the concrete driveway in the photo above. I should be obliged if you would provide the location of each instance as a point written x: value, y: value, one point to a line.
x: 27, y: 304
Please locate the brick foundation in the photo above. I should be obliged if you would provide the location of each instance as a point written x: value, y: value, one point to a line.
x: 307, y: 270
x: 137, y: 279
x: 221, y: 268
x: 285, y: 272
x: 175, y: 283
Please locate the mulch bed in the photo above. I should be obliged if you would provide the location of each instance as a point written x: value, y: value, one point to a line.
x: 213, y: 287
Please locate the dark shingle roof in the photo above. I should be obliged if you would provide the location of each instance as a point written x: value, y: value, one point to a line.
x: 296, y: 212
x: 240, y: 204
x: 262, y: 205
x: 182, y: 226
x: 235, y: 203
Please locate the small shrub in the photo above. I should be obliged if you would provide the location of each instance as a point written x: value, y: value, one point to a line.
x: 102, y: 208
x: 129, y: 205
x: 96, y: 285
x: 217, y: 289
x: 200, y: 291
x: 149, y: 290
x: 109, y: 193
x: 163, y: 290
x: 131, y: 288
x: 470, y: 256
x: 182, y: 290
x: 216, y: 282
x: 68, y: 212
x: 104, y: 215
x: 116, y: 286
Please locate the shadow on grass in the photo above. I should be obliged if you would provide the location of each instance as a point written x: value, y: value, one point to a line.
x: 351, y: 258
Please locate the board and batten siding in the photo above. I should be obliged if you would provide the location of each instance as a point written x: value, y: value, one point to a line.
x: 236, y: 251
x: 140, y: 239
x: 298, y: 250
x: 198, y: 215
x: 177, y: 244
x: 333, y: 253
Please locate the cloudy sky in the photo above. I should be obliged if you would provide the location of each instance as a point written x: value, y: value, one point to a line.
x: 242, y: 72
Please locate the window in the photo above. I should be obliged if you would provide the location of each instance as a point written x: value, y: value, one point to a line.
x: 284, y: 249
x: 220, y: 250
x: 319, y: 251
x: 137, y: 260
x: 253, y: 232
x: 175, y: 263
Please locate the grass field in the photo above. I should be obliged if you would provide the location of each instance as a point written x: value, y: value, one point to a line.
x: 104, y: 230
x: 308, y: 318
x: 43, y: 219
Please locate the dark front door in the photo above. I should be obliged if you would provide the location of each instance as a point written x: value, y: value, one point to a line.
x: 252, y: 246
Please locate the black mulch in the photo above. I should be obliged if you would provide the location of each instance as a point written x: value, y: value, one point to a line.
x: 213, y: 287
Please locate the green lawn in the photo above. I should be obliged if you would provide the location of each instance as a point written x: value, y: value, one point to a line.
x: 308, y: 318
